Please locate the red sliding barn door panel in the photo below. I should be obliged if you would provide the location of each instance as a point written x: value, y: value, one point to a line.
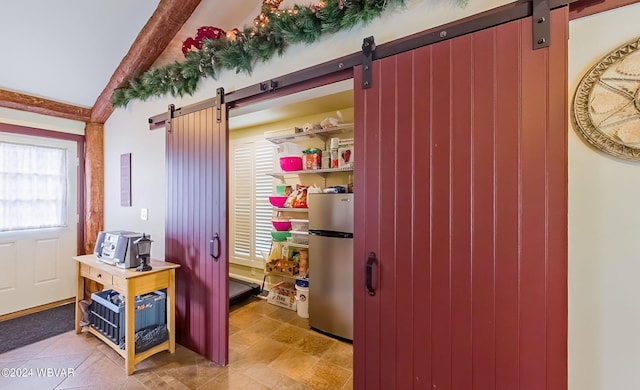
x: 463, y: 197
x: 196, y: 212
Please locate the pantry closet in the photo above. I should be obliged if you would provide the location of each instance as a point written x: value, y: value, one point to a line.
x: 257, y: 140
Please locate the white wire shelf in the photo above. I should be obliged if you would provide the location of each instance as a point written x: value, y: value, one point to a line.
x: 320, y: 133
x: 321, y: 172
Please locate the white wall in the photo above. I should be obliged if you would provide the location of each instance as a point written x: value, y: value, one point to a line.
x: 604, y: 233
x: 127, y: 129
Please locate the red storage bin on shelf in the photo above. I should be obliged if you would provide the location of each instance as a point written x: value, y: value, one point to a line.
x: 291, y: 163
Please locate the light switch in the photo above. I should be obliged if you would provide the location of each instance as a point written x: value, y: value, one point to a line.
x: 143, y: 214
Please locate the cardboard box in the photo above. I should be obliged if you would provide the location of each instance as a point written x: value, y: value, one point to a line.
x: 283, y: 295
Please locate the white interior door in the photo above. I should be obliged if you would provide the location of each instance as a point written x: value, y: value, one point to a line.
x: 38, y: 233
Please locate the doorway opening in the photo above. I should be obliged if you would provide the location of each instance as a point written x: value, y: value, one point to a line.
x: 268, y: 245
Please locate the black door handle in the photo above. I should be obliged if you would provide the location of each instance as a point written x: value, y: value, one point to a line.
x: 214, y: 247
x: 371, y: 259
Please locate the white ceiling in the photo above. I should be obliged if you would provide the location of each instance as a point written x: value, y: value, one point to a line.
x: 67, y: 50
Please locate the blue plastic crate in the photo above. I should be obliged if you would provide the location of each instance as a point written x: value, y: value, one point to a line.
x: 108, y: 317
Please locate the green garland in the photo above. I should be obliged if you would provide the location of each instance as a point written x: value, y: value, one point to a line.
x: 303, y: 24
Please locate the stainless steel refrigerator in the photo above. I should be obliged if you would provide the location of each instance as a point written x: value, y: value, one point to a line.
x: 331, y: 263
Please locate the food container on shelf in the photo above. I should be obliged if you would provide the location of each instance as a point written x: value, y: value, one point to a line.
x: 326, y: 160
x: 298, y: 237
x: 334, y: 159
x: 312, y: 158
x: 277, y: 201
x: 283, y: 189
x: 301, y: 225
x: 281, y: 226
x: 345, y: 153
x: 291, y: 163
x: 280, y: 236
x: 288, y: 149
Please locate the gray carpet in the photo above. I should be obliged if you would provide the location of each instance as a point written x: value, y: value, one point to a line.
x: 22, y: 331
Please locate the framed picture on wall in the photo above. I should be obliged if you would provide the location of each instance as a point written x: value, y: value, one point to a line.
x: 125, y: 180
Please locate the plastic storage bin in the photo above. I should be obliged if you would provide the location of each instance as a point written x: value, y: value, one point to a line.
x: 108, y: 318
x: 301, y: 225
x: 291, y: 163
x: 298, y: 237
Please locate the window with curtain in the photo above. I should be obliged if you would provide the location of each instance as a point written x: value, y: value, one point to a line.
x: 33, y: 187
x: 250, y: 211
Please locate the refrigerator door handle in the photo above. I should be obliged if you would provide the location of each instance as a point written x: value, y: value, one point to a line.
x: 371, y: 259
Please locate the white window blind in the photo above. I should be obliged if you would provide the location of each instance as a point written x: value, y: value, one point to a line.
x: 33, y: 187
x: 250, y: 210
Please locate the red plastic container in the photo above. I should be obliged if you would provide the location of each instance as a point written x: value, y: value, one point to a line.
x: 281, y: 226
x: 277, y: 201
x: 291, y: 163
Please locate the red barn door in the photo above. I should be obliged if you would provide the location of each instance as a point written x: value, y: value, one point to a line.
x: 462, y: 197
x: 196, y: 225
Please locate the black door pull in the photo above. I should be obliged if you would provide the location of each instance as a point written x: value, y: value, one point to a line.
x: 214, y: 247
x: 371, y: 259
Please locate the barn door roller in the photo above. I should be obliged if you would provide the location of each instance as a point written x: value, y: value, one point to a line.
x: 219, y: 103
x: 368, y: 47
x: 541, y: 24
x: 170, y: 111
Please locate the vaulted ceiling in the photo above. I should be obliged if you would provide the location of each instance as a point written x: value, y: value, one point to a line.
x: 64, y: 58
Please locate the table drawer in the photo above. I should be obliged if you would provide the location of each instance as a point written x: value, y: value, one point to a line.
x: 96, y: 274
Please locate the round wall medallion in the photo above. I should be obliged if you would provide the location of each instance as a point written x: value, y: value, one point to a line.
x: 606, y: 106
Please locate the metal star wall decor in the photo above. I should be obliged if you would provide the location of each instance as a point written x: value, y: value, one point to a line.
x: 606, y: 106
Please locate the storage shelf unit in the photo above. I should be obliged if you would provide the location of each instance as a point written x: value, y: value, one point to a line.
x: 281, y: 274
x: 292, y: 209
x: 294, y: 245
x: 321, y: 172
x: 288, y: 244
x: 324, y: 135
x: 321, y: 133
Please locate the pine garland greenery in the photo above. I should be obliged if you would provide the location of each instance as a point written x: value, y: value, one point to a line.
x: 301, y: 24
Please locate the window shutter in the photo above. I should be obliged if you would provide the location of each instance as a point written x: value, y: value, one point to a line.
x: 241, y: 201
x: 264, y: 152
x: 250, y: 187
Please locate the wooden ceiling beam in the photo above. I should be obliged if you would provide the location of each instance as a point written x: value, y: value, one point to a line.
x: 155, y: 36
x: 20, y: 101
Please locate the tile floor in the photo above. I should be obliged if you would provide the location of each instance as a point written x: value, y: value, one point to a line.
x: 269, y: 348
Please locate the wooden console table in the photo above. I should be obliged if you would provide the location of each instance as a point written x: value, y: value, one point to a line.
x: 130, y: 283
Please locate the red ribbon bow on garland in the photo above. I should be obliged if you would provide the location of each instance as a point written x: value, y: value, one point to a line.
x: 203, y: 33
